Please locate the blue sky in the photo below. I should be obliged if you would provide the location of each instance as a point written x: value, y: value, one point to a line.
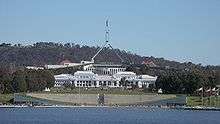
x: 182, y: 30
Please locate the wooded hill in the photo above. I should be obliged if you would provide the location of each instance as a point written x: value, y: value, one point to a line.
x: 42, y: 53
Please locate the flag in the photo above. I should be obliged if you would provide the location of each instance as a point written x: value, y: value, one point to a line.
x: 106, y: 23
x: 213, y: 89
x: 200, y: 89
x: 208, y: 90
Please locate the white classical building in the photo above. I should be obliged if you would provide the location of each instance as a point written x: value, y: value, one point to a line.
x: 90, y: 79
x: 143, y: 81
x: 61, y: 79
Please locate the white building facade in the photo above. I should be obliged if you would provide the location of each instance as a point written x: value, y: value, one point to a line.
x: 89, y: 79
x: 61, y: 79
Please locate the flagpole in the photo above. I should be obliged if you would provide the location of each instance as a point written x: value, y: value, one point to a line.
x: 202, y: 97
x: 210, y: 96
x: 217, y: 95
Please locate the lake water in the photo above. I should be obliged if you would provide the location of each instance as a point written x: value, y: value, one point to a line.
x: 121, y: 115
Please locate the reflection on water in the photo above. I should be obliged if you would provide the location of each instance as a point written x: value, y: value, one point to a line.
x: 120, y: 115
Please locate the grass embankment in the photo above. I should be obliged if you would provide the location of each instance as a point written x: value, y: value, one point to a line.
x: 118, y: 91
x: 213, y: 101
x: 92, y: 99
x: 66, y: 96
x: 5, y: 98
x: 42, y: 101
x: 89, y: 96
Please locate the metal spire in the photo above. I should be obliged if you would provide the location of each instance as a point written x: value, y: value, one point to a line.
x: 107, y: 30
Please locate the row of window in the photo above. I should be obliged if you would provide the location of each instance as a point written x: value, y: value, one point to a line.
x: 117, y: 70
x: 62, y: 81
x: 105, y: 72
x: 96, y: 83
x: 86, y: 76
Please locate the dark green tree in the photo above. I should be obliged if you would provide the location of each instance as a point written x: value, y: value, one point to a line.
x: 19, y: 81
x: 5, y: 81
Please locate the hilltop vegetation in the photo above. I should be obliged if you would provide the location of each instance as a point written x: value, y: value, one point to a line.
x: 42, y: 53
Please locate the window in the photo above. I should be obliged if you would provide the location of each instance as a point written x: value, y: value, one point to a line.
x: 95, y: 83
x: 109, y: 82
x: 104, y: 84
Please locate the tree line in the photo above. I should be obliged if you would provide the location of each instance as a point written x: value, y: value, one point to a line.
x: 23, y: 80
x: 185, y: 81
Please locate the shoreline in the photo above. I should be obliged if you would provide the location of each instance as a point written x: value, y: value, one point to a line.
x: 198, y: 108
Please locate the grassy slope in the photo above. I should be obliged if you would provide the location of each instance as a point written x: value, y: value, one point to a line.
x: 97, y: 91
x: 4, y: 98
x: 197, y: 101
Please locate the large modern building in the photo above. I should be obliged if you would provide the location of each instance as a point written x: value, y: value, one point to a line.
x: 89, y: 79
x: 101, y: 74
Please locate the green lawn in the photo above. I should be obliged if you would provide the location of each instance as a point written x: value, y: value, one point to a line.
x: 4, y: 98
x: 42, y: 101
x: 206, y: 101
x: 98, y: 91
